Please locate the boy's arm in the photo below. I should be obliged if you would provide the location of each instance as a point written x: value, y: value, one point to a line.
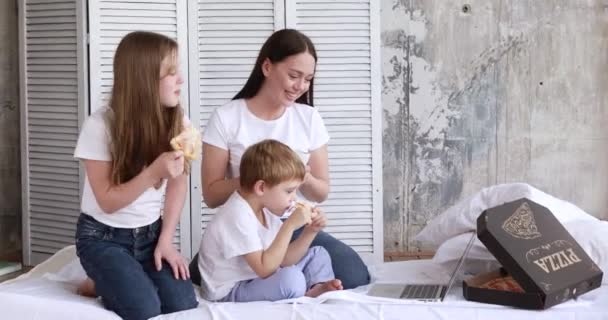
x: 298, y: 248
x: 265, y: 262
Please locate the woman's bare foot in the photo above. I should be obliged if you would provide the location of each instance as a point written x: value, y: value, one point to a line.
x: 323, y: 287
x: 87, y: 288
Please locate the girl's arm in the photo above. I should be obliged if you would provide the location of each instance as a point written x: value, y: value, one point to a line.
x: 265, y: 262
x: 174, y: 203
x: 111, y: 198
x: 316, y: 182
x: 216, y: 188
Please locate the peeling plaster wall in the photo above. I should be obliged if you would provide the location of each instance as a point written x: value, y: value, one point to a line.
x: 482, y: 92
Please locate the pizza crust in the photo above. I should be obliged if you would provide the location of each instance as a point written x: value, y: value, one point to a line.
x: 188, y: 141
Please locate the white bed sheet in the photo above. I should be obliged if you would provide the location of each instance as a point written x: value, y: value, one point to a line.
x: 47, y: 292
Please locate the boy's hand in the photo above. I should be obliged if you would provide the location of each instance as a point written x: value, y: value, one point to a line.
x: 301, y: 216
x: 318, y: 222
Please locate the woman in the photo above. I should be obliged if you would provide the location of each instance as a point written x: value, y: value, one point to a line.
x: 276, y: 103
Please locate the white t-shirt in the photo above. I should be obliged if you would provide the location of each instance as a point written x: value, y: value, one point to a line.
x: 233, y: 127
x: 233, y: 232
x: 93, y: 144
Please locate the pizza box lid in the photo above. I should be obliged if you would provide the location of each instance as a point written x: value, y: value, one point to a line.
x: 536, y: 249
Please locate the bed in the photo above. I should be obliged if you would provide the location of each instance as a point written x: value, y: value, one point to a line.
x: 48, y: 292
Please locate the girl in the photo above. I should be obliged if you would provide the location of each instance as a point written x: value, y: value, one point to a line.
x: 123, y: 244
x: 276, y: 103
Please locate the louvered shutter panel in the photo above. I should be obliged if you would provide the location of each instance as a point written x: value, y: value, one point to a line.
x: 225, y: 38
x: 109, y: 22
x: 50, y: 121
x: 345, y: 34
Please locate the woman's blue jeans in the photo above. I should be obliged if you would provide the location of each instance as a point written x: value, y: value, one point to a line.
x: 121, y: 263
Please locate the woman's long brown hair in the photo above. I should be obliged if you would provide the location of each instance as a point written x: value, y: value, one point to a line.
x: 140, y: 127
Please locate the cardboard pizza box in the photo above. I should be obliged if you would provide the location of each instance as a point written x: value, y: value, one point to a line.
x: 535, y: 249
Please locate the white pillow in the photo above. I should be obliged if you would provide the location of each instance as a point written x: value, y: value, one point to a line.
x: 591, y: 235
x: 462, y: 217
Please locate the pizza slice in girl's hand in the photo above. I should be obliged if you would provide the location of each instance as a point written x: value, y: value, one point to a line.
x: 188, y: 141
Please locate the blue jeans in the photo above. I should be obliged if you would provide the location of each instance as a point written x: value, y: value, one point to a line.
x: 121, y: 263
x: 347, y: 265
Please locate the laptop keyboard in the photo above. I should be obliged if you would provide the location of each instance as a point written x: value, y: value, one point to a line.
x: 421, y: 291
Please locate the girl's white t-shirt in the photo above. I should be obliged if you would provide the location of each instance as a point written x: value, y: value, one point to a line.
x: 93, y: 144
x: 233, y: 127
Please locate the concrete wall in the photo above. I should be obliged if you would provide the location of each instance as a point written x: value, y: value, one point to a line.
x: 10, y: 165
x: 481, y: 92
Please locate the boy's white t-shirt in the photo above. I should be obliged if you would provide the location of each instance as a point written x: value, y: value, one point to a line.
x: 233, y: 127
x: 233, y: 232
x: 93, y: 144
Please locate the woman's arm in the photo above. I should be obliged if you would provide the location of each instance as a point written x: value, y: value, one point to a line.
x: 216, y: 188
x: 316, y: 182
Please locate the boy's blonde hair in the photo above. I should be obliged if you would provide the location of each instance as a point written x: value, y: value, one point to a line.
x: 271, y: 161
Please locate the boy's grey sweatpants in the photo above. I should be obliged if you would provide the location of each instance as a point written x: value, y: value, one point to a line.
x: 286, y: 283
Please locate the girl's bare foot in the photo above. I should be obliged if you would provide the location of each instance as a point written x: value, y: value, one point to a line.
x: 87, y: 288
x: 323, y: 287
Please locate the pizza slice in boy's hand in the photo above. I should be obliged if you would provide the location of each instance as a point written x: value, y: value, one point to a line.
x: 302, y: 205
x: 188, y: 141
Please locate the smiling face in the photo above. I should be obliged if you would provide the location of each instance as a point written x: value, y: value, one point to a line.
x: 170, y: 81
x: 290, y: 78
x: 280, y: 197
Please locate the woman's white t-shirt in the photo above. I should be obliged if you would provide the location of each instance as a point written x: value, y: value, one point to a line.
x: 233, y: 127
x: 93, y: 144
x: 233, y: 232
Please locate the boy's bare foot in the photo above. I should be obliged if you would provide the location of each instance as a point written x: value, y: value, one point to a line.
x: 323, y: 287
x: 87, y: 288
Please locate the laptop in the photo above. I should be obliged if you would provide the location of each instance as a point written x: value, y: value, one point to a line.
x: 421, y: 292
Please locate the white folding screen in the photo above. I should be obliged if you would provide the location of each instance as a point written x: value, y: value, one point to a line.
x: 109, y: 22
x: 229, y: 36
x: 219, y: 41
x: 50, y: 118
x: 225, y: 38
x: 346, y: 36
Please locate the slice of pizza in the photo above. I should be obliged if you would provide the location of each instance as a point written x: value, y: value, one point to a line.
x: 188, y: 141
x: 302, y: 205
x: 503, y: 284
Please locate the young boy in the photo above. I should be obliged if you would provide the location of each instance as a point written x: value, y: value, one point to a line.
x: 245, y: 254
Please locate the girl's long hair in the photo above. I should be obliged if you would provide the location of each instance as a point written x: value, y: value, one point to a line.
x: 140, y: 127
x: 279, y: 46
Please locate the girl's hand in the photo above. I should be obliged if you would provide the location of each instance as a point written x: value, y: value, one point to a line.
x: 318, y: 222
x: 166, y: 251
x: 168, y: 165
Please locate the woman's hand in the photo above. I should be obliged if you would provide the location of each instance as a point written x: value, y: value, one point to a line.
x: 318, y: 222
x: 166, y: 251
